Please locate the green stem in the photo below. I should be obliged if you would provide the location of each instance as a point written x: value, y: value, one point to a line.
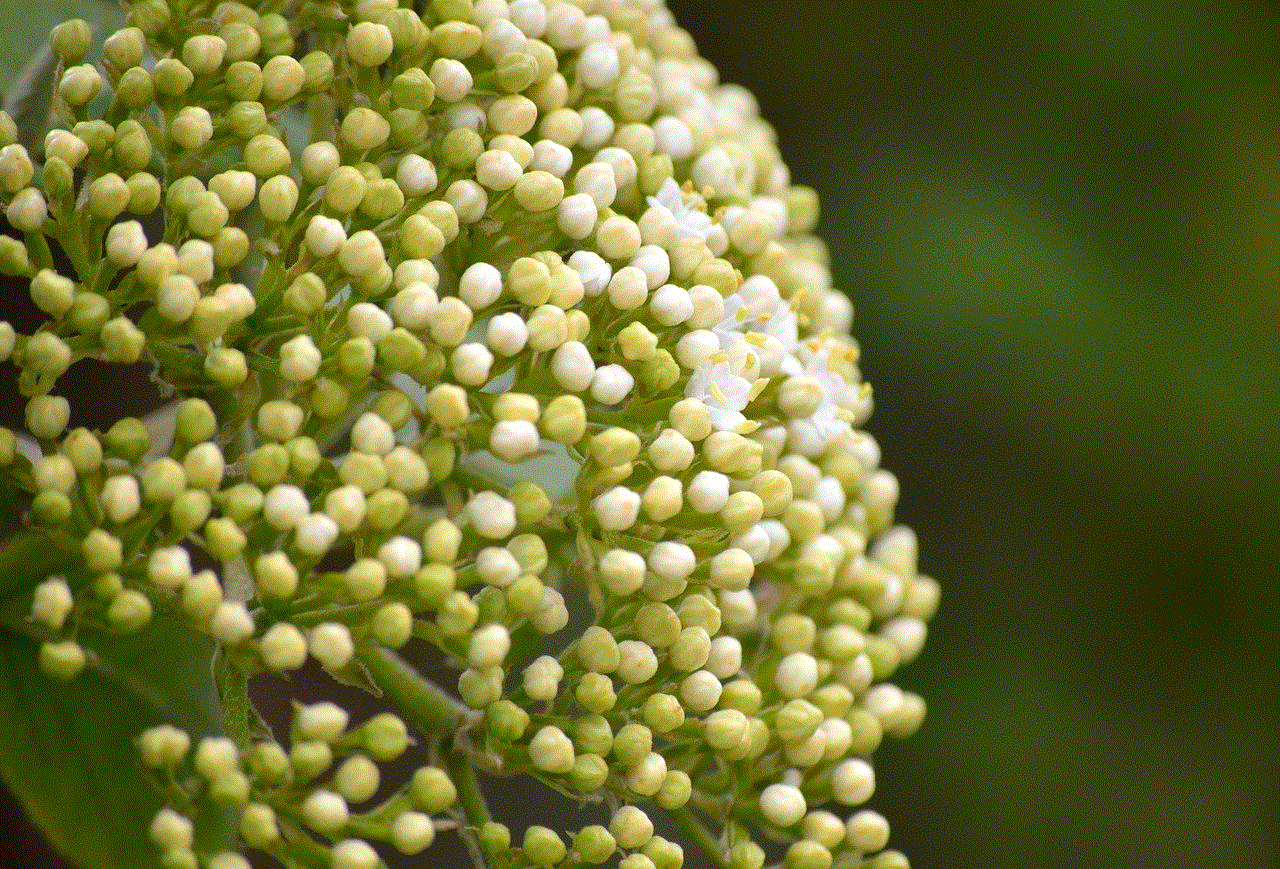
x: 423, y: 703
x: 473, y: 805
x: 685, y: 820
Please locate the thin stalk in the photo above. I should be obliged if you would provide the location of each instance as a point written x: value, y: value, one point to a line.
x: 423, y: 703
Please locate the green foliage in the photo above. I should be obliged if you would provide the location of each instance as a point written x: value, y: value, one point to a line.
x: 67, y: 749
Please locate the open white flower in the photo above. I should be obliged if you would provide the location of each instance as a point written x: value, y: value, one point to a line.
x: 723, y: 392
x: 690, y: 222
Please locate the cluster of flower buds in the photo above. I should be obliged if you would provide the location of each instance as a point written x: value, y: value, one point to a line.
x: 524, y: 316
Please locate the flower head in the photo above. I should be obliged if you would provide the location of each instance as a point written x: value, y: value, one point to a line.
x: 532, y: 334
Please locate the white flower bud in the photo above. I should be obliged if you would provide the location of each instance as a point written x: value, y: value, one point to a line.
x: 52, y: 602
x: 320, y: 721
x: 551, y: 614
x: 169, y: 567
x: 782, y: 804
x: 471, y: 364
x: 325, y: 812
x: 372, y: 434
x: 576, y: 216
x: 852, y: 782
x: 700, y: 691
x: 330, y: 644
x: 611, y: 384
x: 671, y: 559
x: 120, y: 498
x: 216, y: 756
x: 299, y: 359
x: 552, y: 157
x: 315, y: 534
x: 646, y: 776
x: 797, y: 675
x: 631, y: 827
x: 551, y: 750
x: 489, y: 646
x: 507, y: 334
x: 573, y: 367
x: 126, y: 243
x: 708, y: 492
x: 416, y: 175
x: 514, y: 440
x: 401, y: 556
x: 622, y: 571
x: 171, y: 831
x: 452, y: 79
x: 616, y: 509
x: 412, y: 832
x: 480, y: 285
x: 637, y: 662
x: 597, y: 127
x: 325, y: 236
x: 285, y: 506
x: 542, y: 678
x: 283, y: 647
x: 231, y: 623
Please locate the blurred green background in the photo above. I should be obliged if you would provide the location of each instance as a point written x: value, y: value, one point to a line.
x: 1060, y: 225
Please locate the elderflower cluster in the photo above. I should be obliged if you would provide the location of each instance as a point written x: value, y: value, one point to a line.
x: 532, y: 330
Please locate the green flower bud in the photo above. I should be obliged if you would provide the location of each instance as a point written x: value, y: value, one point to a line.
x: 108, y: 196
x: 28, y: 210
x: 47, y: 416
x: 506, y: 721
x: 277, y: 37
x: 594, y: 844
x: 203, y: 54
x: 51, y: 508
x: 52, y: 294
x: 369, y: 44
x: 385, y: 738
x: 13, y: 257
x: 16, y: 170
x: 246, y: 119
x: 432, y: 790
x: 135, y: 89
x: 413, y: 89
x: 318, y: 69
x: 129, y: 611
x: 123, y: 49
x: 70, y: 40
x: 495, y: 839
x: 80, y: 84
x: 265, y: 155
x: 122, y: 341
x: 102, y: 551
x: 144, y: 193
x: 133, y: 146
x: 89, y: 312
x: 226, y: 366
x: 62, y: 660
x: 242, y: 40
x: 542, y: 847
x: 171, y: 77
x: 278, y: 198
x: 364, y: 129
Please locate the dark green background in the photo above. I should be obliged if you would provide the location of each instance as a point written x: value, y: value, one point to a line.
x: 1060, y: 225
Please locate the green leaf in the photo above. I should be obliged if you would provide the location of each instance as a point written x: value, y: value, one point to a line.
x: 33, y: 21
x: 29, y: 101
x: 67, y: 750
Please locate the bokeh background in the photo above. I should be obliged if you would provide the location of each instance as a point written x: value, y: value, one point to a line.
x: 1060, y: 226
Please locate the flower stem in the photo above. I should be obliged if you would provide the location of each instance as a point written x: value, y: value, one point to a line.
x: 424, y: 704
x: 685, y: 820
